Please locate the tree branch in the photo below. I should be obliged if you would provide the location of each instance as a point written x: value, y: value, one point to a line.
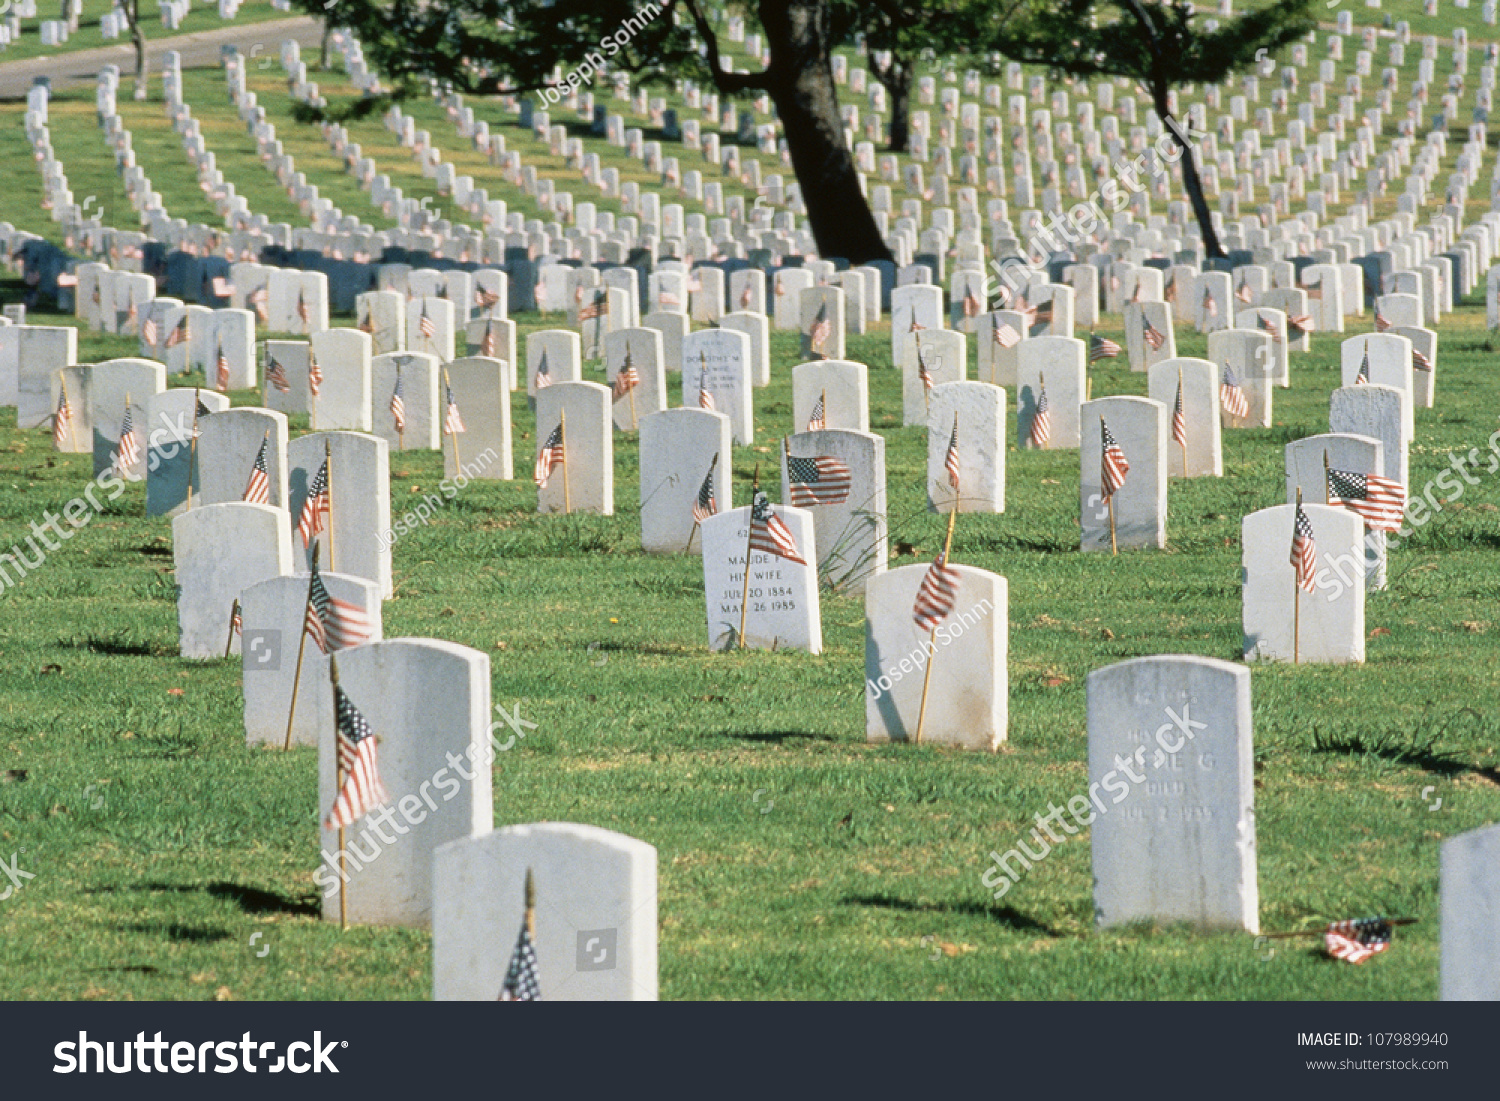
x: 725, y: 81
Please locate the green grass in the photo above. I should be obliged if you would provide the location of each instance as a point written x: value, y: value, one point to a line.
x: 161, y: 843
x: 196, y: 842
x: 88, y: 36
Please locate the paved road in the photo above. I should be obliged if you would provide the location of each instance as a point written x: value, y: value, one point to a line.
x: 81, y: 67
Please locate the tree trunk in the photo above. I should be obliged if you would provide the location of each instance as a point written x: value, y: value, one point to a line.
x: 1191, y: 183
x: 137, y: 37
x: 897, y: 82
x: 800, y: 83
x: 326, y: 47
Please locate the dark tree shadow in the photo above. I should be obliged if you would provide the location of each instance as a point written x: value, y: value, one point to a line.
x: 777, y: 737
x: 181, y: 934
x: 250, y: 900
x: 1007, y: 916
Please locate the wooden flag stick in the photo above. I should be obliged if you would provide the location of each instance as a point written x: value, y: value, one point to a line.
x: 1320, y: 932
x: 749, y: 536
x: 1088, y: 393
x: 328, y: 462
x: 1326, y: 499
x: 932, y: 637
x: 72, y: 420
x: 567, y: 463
x: 457, y: 463
x: 233, y: 611
x: 193, y: 450
x: 823, y: 401
x: 635, y: 422
x: 301, y: 649
x: 1296, y: 601
x: 338, y: 786
x: 530, y: 903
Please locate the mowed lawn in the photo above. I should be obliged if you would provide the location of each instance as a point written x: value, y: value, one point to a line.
x: 795, y: 860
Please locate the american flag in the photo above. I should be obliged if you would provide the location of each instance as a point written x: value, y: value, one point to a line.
x: 669, y: 301
x: 1357, y: 940
x: 1101, y: 347
x: 453, y: 424
x: 972, y: 307
x: 1304, y: 550
x: 745, y: 296
x: 484, y: 299
x: 365, y: 324
x: 599, y: 307
x: 1003, y: 334
x: 705, y: 399
x: 916, y: 326
x: 819, y: 421
x: 362, y: 791
x: 179, y: 333
x: 1381, y: 501
x: 62, y: 420
x: 1210, y: 307
x: 128, y: 454
x: 487, y: 343
x: 1232, y: 395
x: 276, y: 375
x: 1169, y: 293
x: 425, y: 325
x: 302, y: 313
x: 1419, y: 361
x: 258, y: 488
x: 950, y: 457
x: 1112, y: 466
x: 1299, y: 324
x: 398, y: 406
x: 1041, y: 420
x: 149, y: 331
x: 332, y: 623
x: 543, y: 372
x: 1179, y: 421
x: 626, y: 380
x: 314, y: 374
x: 937, y: 594
x: 769, y: 534
x: 706, y: 505
x: 821, y: 328
x: 1243, y: 291
x: 1315, y: 292
x: 550, y: 457
x: 221, y: 369
x: 924, y: 376
x: 1152, y: 334
x: 236, y: 620
x: 221, y: 287
x: 1364, y: 368
x: 315, y: 510
x: 258, y: 300
x: 1268, y: 326
x: 1381, y: 324
x: 522, y: 982
x: 820, y: 481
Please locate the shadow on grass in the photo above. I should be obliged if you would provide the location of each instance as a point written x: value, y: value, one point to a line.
x: 117, y: 648
x: 180, y: 934
x: 1420, y: 750
x: 250, y: 900
x: 1007, y: 916
x: 778, y: 737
